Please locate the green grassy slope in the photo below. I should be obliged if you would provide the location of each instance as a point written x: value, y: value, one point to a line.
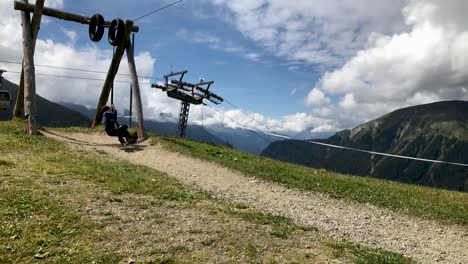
x: 436, y: 204
x: 437, y: 131
x: 64, y: 206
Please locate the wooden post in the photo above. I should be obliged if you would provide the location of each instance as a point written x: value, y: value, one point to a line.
x: 30, y: 107
x: 18, y: 110
x: 135, y: 89
x: 113, y: 69
x: 36, y: 20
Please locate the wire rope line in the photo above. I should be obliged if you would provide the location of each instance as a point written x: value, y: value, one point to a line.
x: 79, y: 70
x: 157, y: 10
x: 241, y: 126
x: 73, y: 77
x: 202, y: 117
x: 246, y: 114
x: 203, y: 126
x: 359, y: 150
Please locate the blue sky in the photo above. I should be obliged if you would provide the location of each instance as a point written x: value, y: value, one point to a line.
x: 314, y: 65
x: 263, y: 85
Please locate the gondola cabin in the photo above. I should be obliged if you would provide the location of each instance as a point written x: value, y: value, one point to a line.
x: 5, y: 100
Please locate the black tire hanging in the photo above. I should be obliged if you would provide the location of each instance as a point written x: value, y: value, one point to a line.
x: 96, y: 27
x: 116, y: 32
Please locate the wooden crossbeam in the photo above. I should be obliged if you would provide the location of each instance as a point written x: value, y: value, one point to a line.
x: 61, y: 14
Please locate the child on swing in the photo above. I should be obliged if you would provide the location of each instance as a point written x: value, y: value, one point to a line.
x: 113, y: 128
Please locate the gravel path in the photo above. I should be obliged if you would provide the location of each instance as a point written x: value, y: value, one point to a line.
x: 425, y: 241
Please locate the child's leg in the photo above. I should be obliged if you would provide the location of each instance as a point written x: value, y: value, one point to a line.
x: 123, y: 132
x: 115, y: 133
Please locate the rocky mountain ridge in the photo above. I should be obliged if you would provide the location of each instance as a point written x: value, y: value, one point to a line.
x: 436, y: 131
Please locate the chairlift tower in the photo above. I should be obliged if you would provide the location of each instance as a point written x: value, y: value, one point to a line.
x: 187, y: 93
x: 183, y: 119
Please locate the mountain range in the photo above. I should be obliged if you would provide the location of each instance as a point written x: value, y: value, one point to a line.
x: 194, y: 132
x: 238, y: 138
x: 52, y: 114
x: 64, y: 114
x: 49, y: 114
x: 437, y: 131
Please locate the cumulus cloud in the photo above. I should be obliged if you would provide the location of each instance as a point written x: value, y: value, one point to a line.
x: 238, y: 118
x: 313, y: 31
x: 317, y: 97
x: 66, y: 51
x: 424, y: 64
x: 378, y: 56
x: 69, y: 54
x: 217, y: 43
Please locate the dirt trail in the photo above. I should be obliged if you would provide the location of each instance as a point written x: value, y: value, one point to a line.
x: 425, y: 241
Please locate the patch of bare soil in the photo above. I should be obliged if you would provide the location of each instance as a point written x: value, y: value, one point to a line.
x: 422, y: 240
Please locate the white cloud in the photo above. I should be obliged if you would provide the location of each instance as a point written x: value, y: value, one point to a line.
x: 312, y: 31
x: 290, y: 125
x: 293, y: 68
x: 72, y: 35
x: 54, y: 3
x: 293, y: 91
x: 253, y: 56
x: 324, y: 128
x: 317, y: 97
x: 64, y: 52
x: 217, y: 43
x: 377, y: 55
x: 348, y: 101
x: 384, y: 54
x: 68, y: 54
x: 424, y: 64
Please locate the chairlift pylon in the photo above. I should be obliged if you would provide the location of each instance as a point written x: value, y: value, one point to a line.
x: 188, y: 93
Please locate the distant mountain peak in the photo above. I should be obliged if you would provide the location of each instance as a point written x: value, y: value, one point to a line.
x: 49, y: 113
x: 437, y: 131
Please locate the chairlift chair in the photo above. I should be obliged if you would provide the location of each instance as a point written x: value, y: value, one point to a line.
x: 5, y: 100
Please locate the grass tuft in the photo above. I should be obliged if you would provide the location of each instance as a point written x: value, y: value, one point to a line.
x: 368, y: 256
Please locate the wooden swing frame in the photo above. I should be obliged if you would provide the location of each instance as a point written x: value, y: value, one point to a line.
x: 27, y: 93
